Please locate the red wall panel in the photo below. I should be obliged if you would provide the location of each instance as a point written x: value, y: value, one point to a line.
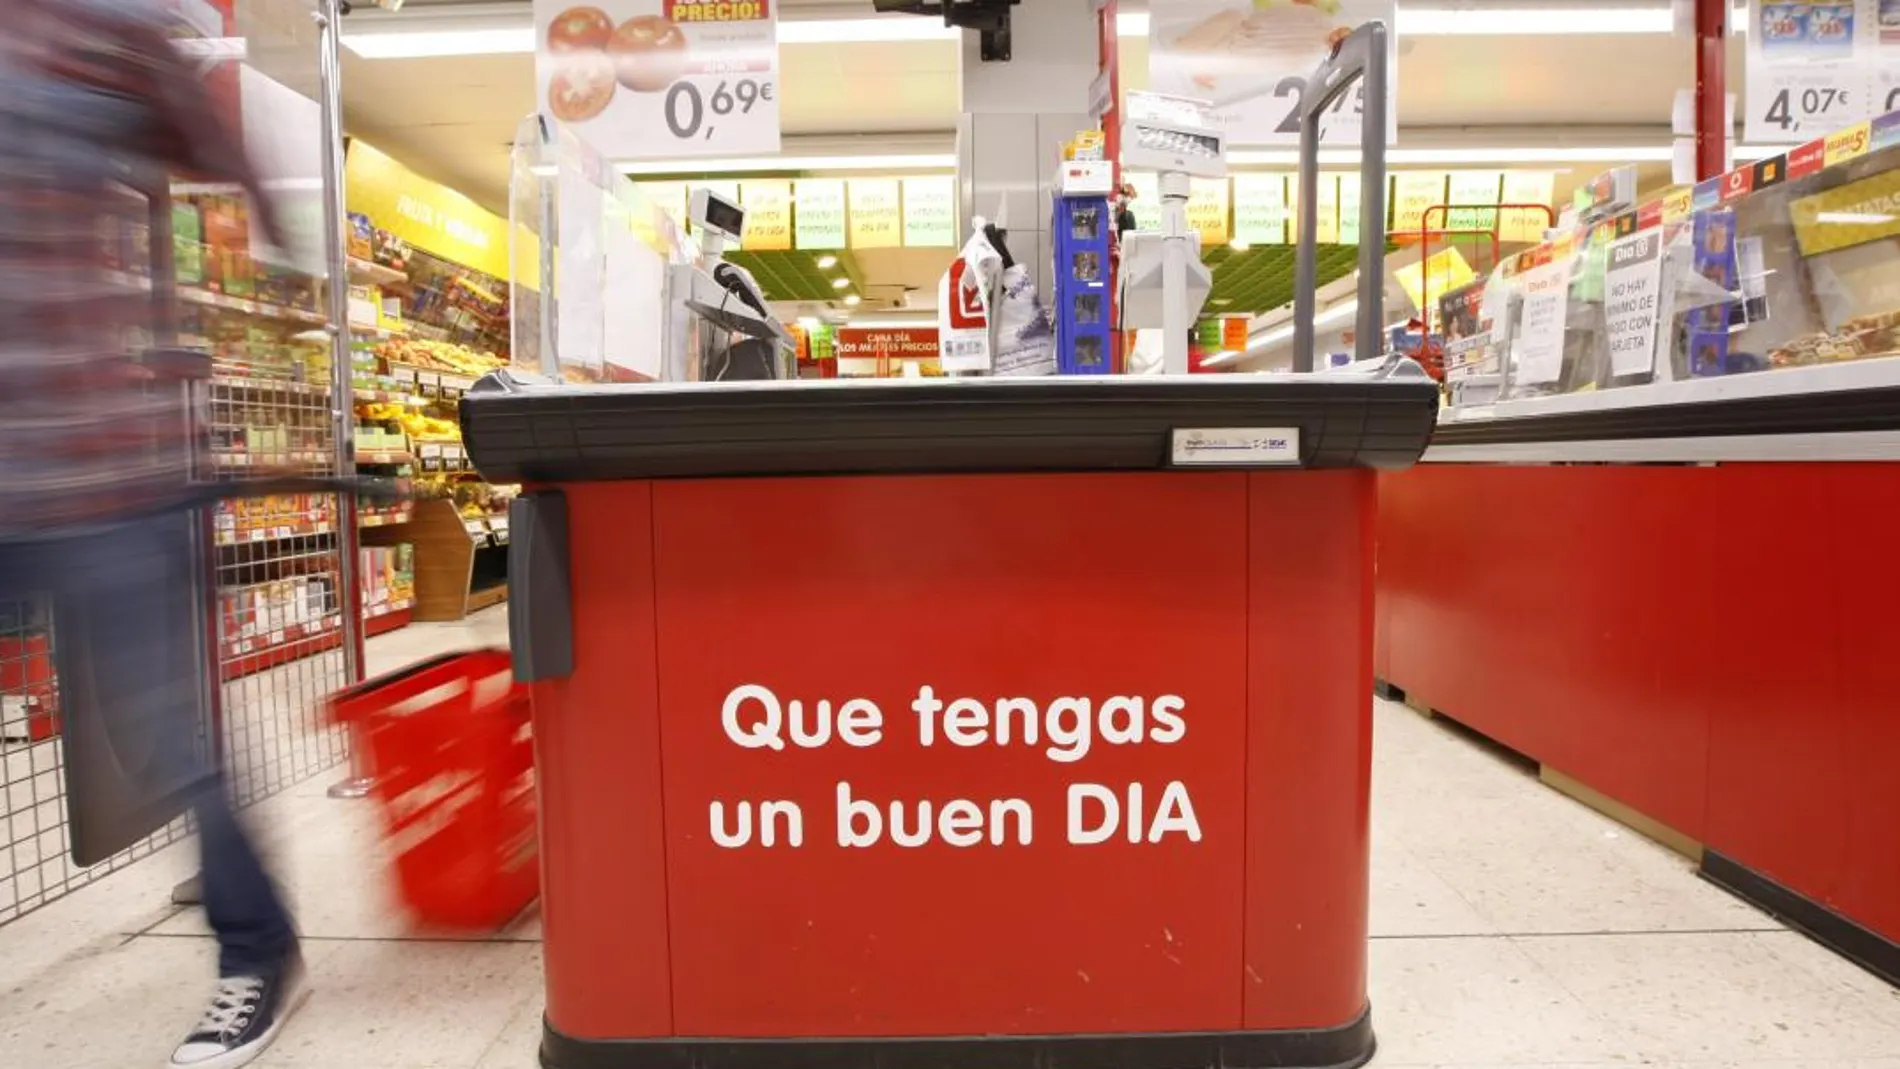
x: 1704, y: 644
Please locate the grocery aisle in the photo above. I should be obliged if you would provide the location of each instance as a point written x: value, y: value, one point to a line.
x: 1511, y: 927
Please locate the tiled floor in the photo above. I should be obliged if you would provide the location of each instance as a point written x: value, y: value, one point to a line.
x: 1511, y: 927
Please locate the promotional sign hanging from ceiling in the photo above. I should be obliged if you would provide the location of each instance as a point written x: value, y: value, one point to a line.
x: 661, y: 79
x: 1252, y: 59
x: 1814, y: 68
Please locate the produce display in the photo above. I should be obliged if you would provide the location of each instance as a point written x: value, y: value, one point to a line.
x: 439, y: 356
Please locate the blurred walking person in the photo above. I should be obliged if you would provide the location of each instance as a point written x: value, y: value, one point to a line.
x: 94, y: 458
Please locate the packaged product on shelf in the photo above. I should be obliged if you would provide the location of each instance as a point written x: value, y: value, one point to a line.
x: 188, y: 250
x: 361, y: 242
x: 1714, y: 260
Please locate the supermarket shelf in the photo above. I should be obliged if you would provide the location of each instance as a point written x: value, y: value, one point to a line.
x: 394, y: 397
x: 487, y: 597
x: 270, y: 386
x: 246, y: 306
x: 384, y: 623
x: 248, y: 656
x: 227, y: 458
x: 385, y: 456
x: 273, y: 533
x: 366, y: 273
x: 294, y: 528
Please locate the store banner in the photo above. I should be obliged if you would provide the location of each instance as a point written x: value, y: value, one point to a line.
x: 1327, y: 233
x: 1252, y: 58
x: 1349, y: 208
x: 1207, y: 211
x: 1260, y: 209
x: 1467, y: 189
x: 431, y: 217
x: 883, y: 352
x: 1525, y: 187
x: 818, y: 213
x: 930, y: 212
x: 877, y: 215
x: 1633, y: 302
x: 1413, y: 193
x: 768, y: 215
x: 662, y: 79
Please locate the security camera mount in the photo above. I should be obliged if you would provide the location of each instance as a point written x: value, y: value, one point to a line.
x: 989, y: 18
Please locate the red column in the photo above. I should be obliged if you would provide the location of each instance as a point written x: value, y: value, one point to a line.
x: 1711, y: 87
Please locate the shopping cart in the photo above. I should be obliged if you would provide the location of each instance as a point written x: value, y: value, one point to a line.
x: 448, y: 747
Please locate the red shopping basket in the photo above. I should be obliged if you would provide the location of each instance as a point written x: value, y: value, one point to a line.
x: 448, y: 749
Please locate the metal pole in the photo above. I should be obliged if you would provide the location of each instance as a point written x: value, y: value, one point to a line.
x: 1176, y: 320
x: 1711, y: 88
x: 342, y: 393
x: 1360, y: 57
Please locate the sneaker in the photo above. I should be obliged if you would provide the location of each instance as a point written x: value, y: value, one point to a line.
x: 244, y: 1017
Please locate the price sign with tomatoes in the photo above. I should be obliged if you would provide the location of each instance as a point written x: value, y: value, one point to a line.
x: 1253, y: 58
x: 657, y: 79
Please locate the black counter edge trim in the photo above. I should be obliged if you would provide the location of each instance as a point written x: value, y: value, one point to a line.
x: 1849, y: 938
x: 519, y: 436
x: 1346, y: 1047
x: 1832, y: 412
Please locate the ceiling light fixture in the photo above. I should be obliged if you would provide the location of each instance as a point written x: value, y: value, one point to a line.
x: 874, y: 29
x: 1486, y: 21
x: 1524, y: 154
x: 827, y: 262
x: 840, y: 283
x: 495, y: 30
x: 430, y: 40
x: 852, y: 300
x: 921, y: 161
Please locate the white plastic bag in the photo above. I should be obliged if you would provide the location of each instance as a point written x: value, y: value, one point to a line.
x: 1025, y: 338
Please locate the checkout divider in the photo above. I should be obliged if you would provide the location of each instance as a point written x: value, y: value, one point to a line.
x: 916, y: 723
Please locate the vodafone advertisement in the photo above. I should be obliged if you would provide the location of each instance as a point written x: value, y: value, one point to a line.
x: 870, y: 352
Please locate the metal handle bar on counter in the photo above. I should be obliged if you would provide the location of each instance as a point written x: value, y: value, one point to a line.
x: 1361, y: 56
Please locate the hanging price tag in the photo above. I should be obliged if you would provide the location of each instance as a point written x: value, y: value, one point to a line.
x: 1253, y: 62
x: 1812, y: 68
x: 642, y: 79
x: 1796, y: 105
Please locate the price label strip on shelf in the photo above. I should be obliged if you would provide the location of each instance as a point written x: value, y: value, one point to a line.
x: 1814, y: 68
x: 1253, y: 59
x: 641, y: 79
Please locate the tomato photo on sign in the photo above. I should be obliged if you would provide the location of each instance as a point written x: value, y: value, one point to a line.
x: 582, y: 87
x: 580, y: 29
x: 649, y: 53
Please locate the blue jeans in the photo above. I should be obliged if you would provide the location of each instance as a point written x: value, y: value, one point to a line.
x: 131, y: 675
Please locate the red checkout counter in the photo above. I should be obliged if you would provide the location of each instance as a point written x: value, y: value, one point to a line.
x: 987, y: 722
